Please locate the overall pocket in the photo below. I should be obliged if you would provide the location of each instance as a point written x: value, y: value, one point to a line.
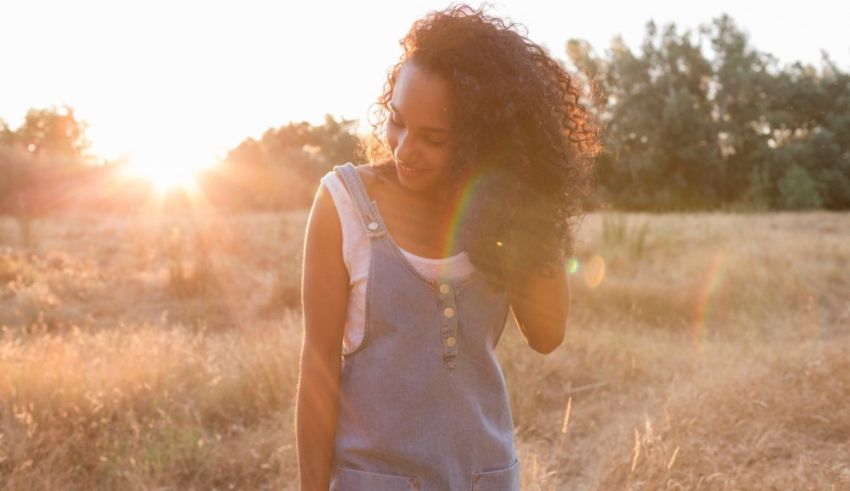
x: 506, y: 479
x: 355, y: 480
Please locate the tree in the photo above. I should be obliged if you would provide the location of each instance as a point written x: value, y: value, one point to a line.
x: 53, y: 133
x: 742, y: 90
x: 36, y: 161
x: 282, y: 168
x: 18, y: 181
x: 7, y: 136
x: 660, y: 135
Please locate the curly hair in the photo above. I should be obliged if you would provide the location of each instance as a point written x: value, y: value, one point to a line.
x: 523, y: 133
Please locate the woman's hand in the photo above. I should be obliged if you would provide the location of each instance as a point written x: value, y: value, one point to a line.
x: 540, y: 305
x: 324, y: 293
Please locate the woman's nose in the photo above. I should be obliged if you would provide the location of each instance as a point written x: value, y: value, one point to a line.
x: 404, y: 150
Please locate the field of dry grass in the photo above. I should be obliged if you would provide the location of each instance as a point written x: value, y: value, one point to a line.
x: 704, y: 351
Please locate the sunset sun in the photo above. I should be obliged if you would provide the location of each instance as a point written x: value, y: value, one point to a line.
x: 166, y: 171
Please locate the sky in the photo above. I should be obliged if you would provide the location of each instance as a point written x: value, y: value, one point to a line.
x: 186, y: 80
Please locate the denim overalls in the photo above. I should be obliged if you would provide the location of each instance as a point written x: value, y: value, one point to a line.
x: 423, y: 402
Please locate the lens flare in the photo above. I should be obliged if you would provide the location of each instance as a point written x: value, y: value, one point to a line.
x: 461, y: 207
x: 594, y: 271
x: 572, y: 265
x: 707, y: 288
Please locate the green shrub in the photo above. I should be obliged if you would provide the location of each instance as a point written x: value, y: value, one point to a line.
x: 798, y: 190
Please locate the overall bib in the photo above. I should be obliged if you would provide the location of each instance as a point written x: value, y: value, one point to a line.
x: 423, y: 402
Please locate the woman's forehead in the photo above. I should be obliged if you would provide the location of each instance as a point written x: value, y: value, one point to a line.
x: 421, y: 97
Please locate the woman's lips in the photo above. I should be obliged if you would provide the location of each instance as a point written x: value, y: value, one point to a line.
x: 411, y: 171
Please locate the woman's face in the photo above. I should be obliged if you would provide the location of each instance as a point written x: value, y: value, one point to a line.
x: 418, y: 129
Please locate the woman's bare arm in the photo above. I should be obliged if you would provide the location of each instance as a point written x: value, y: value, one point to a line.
x: 325, y: 303
x: 541, y: 305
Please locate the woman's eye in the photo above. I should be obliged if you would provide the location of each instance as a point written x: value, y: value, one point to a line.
x: 436, y: 143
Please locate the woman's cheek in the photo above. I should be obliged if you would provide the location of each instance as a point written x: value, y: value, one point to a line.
x: 443, y: 157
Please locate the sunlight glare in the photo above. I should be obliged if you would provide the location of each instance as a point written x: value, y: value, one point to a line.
x: 166, y: 171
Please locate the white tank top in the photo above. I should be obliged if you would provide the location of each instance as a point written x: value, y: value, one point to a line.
x: 355, y: 255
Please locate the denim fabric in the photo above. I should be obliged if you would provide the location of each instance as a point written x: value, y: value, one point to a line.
x: 423, y: 401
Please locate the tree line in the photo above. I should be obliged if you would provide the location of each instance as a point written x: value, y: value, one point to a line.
x: 691, y: 120
x: 702, y: 120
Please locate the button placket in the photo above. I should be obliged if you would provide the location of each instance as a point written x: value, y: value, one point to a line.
x: 448, y: 314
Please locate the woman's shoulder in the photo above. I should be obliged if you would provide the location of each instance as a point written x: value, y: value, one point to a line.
x: 340, y: 192
x: 366, y: 171
x: 370, y: 174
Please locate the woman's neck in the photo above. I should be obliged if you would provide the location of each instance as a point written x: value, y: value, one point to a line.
x: 436, y: 200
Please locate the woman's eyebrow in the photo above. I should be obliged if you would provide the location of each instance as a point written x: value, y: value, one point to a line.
x: 424, y: 128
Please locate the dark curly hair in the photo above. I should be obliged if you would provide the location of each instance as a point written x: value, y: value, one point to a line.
x: 523, y: 133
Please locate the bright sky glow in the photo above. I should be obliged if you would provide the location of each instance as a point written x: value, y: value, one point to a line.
x: 191, y: 79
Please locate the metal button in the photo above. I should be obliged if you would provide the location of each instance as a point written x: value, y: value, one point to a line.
x: 372, y: 226
x: 451, y: 341
x: 444, y: 288
x: 448, y: 312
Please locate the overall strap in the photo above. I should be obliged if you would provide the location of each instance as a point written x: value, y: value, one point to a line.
x: 367, y: 210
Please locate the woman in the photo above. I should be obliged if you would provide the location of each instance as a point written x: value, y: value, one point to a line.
x: 479, y: 165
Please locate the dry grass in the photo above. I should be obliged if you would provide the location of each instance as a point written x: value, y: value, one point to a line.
x: 712, y: 351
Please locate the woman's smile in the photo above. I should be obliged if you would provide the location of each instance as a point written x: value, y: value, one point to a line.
x: 408, y: 172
